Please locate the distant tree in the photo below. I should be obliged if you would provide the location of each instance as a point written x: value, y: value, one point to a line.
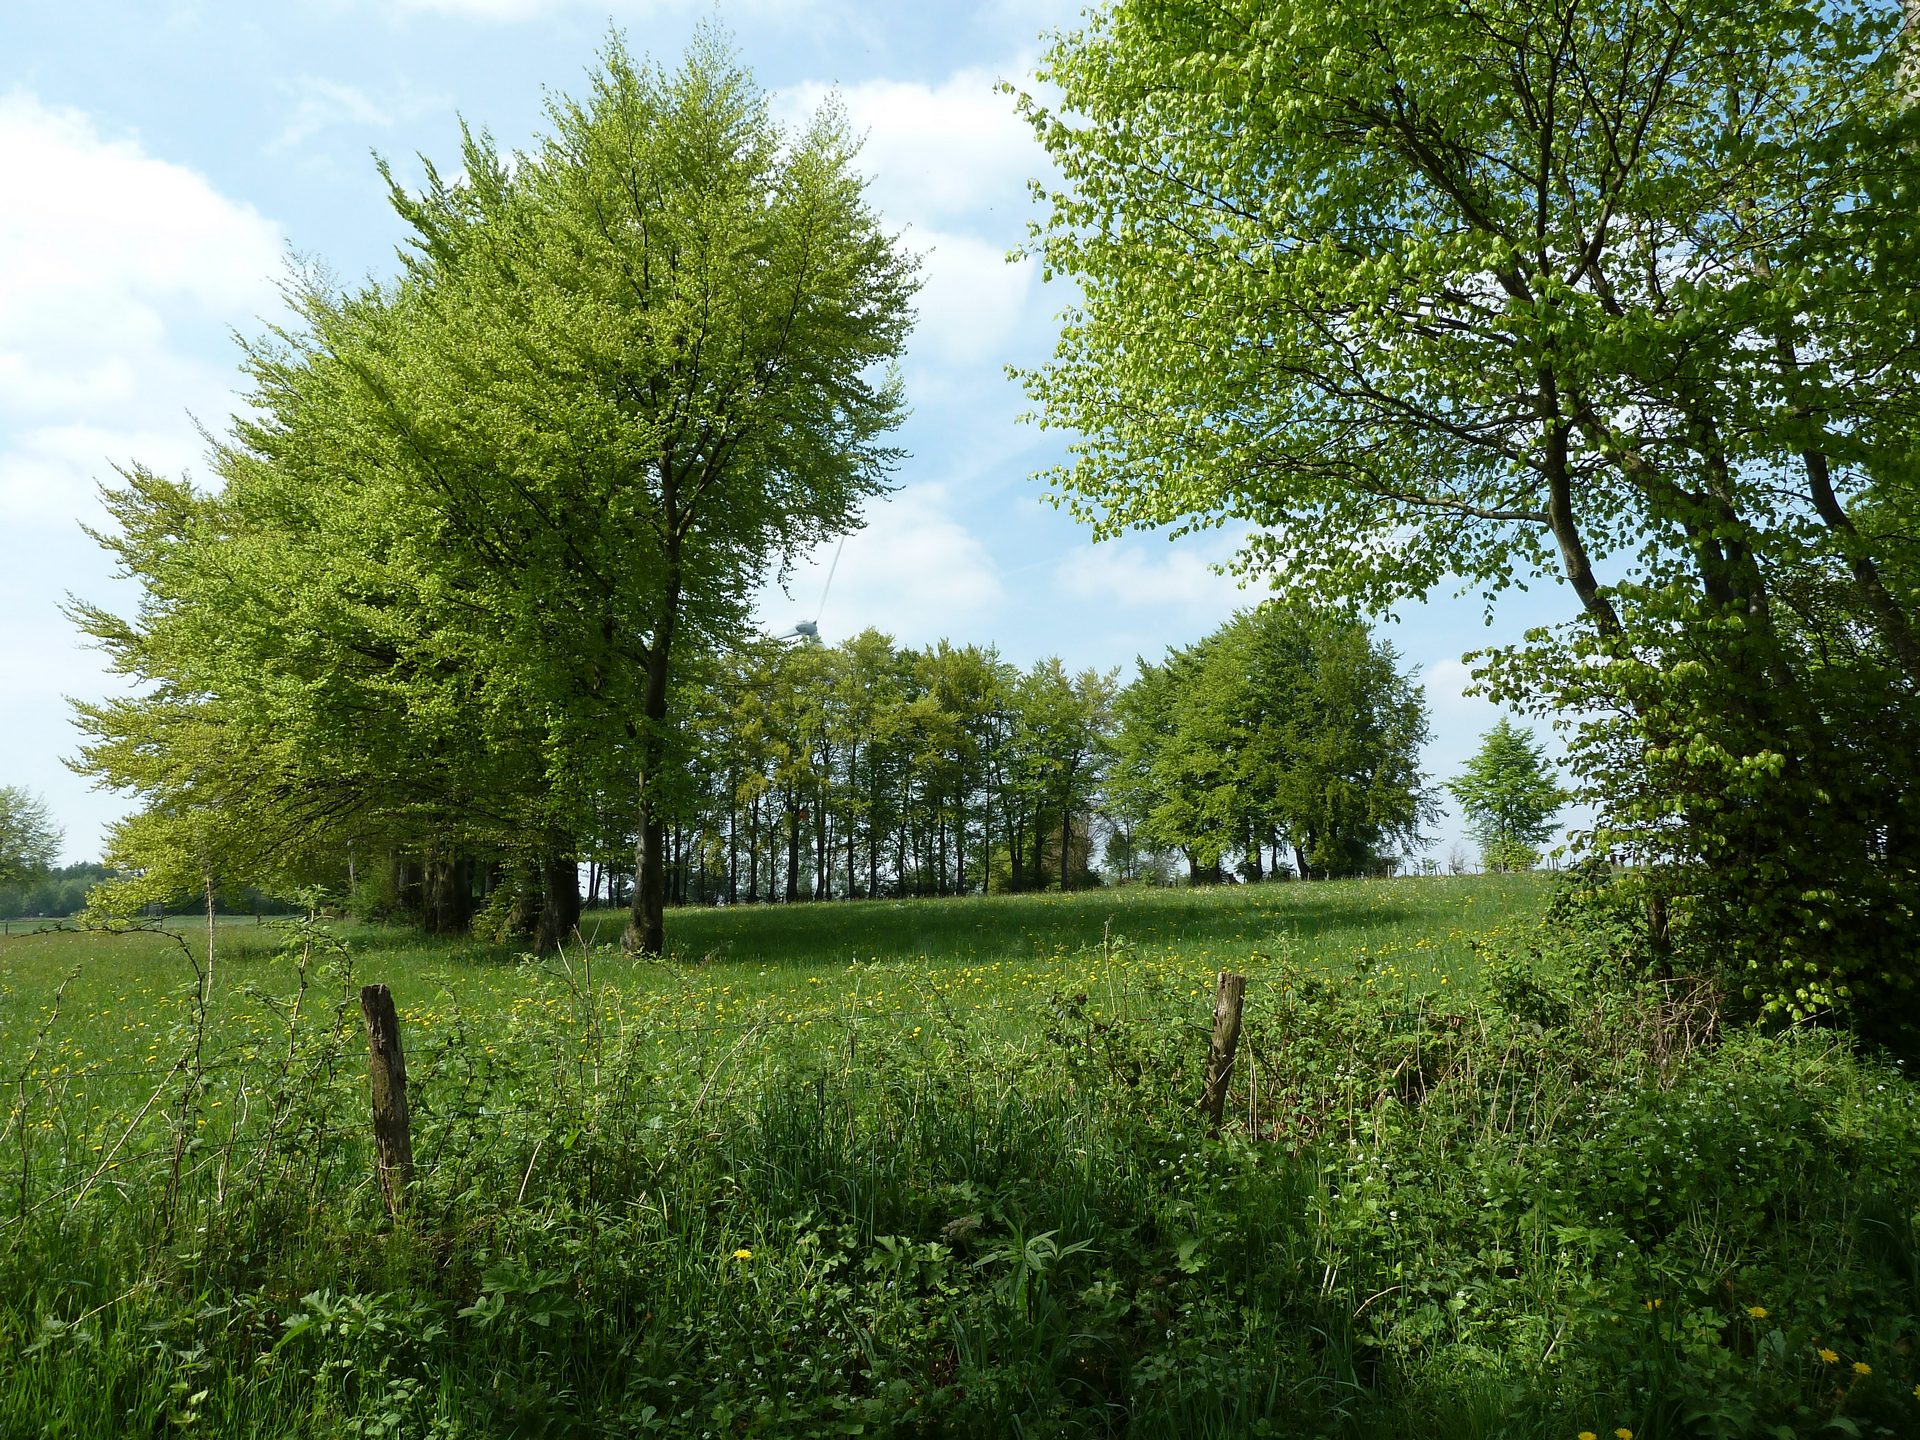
x: 1285, y: 725
x: 1509, y: 797
x: 29, y: 840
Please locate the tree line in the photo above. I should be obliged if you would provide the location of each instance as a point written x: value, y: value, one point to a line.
x: 467, y: 612
x: 864, y: 769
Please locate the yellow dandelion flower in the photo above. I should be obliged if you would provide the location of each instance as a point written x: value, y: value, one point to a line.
x: 1588, y: 1435
x: 743, y: 1254
x: 1861, y: 1367
x: 1623, y: 1434
x: 1758, y: 1312
x: 1827, y: 1355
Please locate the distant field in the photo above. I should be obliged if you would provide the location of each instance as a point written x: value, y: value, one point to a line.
x: 127, y: 996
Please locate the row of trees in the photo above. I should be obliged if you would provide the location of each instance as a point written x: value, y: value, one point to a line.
x: 863, y: 769
x: 1286, y: 742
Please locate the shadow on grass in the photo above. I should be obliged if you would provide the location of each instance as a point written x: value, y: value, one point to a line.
x: 972, y: 928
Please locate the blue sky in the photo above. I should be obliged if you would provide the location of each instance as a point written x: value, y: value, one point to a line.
x: 164, y: 160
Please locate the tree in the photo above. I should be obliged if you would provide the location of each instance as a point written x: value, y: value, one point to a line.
x: 29, y: 840
x: 648, y: 353
x: 1285, y: 724
x: 623, y: 376
x: 1509, y: 797
x: 1620, y: 297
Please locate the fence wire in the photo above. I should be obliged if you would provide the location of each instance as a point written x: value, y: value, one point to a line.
x: 300, y: 1095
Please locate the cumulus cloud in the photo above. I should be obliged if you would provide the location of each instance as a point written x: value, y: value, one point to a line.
x: 123, y: 272
x: 916, y: 572
x: 937, y: 154
x: 971, y: 301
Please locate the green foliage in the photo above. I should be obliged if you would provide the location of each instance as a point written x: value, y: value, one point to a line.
x: 1509, y: 798
x: 29, y: 840
x: 1757, y: 815
x: 1561, y: 1204
x: 1285, y: 725
x: 487, y: 514
x: 1532, y: 291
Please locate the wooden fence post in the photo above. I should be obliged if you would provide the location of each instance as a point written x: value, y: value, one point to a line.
x: 387, y: 1080
x: 1228, y: 997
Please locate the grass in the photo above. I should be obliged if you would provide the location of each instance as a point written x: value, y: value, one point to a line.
x: 129, y: 994
x: 932, y: 1168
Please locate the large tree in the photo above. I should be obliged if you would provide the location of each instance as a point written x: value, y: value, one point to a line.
x: 1618, y: 295
x: 647, y: 355
x: 624, y: 374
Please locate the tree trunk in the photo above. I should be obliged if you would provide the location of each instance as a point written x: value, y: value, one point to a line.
x: 793, y: 849
x: 733, y: 843
x: 559, y: 899
x: 1066, y: 847
x: 822, y: 870
x: 526, y: 902
x: 646, y: 930
x: 446, y: 894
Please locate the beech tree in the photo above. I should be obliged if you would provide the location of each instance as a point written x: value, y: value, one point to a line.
x: 29, y: 840
x: 1617, y: 297
x: 1508, y: 795
x: 623, y: 375
x: 647, y: 350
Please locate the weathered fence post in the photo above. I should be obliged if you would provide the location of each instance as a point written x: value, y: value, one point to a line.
x: 387, y: 1080
x: 1228, y: 996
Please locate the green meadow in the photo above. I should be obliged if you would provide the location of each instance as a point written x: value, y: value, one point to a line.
x: 1006, y: 955
x: 934, y: 1168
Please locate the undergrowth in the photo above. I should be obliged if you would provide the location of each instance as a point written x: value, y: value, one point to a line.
x: 1564, y: 1202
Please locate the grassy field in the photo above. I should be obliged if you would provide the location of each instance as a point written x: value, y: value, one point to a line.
x: 932, y: 1168
x: 127, y: 998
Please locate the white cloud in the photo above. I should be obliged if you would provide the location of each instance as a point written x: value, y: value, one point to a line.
x: 324, y: 104
x: 938, y: 154
x: 120, y: 276
x: 947, y: 166
x: 971, y: 301
x: 915, y: 572
x: 115, y: 257
x: 1179, y: 576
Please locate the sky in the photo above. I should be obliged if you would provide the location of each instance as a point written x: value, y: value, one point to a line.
x: 166, y: 161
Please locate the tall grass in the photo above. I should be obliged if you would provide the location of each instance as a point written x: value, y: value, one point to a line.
x: 935, y: 1170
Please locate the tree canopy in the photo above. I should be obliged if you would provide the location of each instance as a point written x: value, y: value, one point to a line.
x: 488, y: 512
x: 1508, y: 795
x: 1622, y: 297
